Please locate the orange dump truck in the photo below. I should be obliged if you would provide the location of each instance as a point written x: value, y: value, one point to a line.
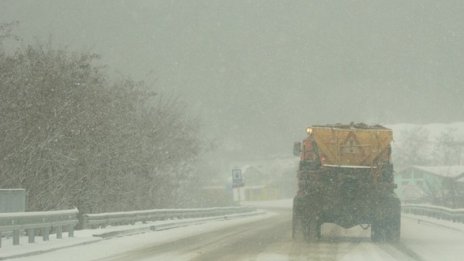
x: 345, y: 176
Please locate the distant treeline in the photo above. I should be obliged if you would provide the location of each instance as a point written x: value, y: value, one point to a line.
x: 72, y: 137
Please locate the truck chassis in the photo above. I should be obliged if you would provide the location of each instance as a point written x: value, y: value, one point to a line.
x: 346, y: 197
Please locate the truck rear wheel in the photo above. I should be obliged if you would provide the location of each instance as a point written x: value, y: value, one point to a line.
x: 387, y: 225
x: 377, y: 231
x: 300, y: 229
x: 298, y: 224
x: 389, y: 230
x: 313, y: 230
x: 393, y: 226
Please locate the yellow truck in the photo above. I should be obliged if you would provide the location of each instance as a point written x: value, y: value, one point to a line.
x: 345, y: 176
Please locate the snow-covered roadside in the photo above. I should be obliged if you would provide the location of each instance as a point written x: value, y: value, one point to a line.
x: 45, y: 250
x: 438, y: 222
x: 281, y: 203
x: 422, y: 238
x: 433, y: 239
x: 430, y: 238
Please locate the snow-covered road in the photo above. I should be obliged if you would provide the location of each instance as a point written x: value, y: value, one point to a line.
x: 268, y: 237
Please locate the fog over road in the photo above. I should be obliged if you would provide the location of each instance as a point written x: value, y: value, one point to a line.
x: 256, y: 71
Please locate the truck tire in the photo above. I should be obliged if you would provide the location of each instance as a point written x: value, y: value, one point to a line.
x: 298, y: 224
x: 312, y: 231
x: 393, y: 231
x: 387, y: 224
x: 300, y: 229
x: 377, y: 232
x: 393, y: 225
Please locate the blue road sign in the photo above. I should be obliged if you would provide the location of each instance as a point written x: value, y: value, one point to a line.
x: 237, y: 179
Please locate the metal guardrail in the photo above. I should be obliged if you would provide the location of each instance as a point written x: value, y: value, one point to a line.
x: 125, y: 218
x: 44, y: 223
x: 455, y: 215
x: 37, y: 223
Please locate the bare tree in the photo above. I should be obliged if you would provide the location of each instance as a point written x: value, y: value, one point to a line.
x: 412, y: 147
x: 447, y: 150
x: 72, y: 138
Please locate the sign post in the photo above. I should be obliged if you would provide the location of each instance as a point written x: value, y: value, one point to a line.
x: 237, y: 181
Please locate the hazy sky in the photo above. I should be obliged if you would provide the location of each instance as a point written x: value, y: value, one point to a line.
x: 258, y: 72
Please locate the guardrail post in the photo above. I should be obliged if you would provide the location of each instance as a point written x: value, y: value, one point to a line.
x: 16, y: 237
x: 70, y: 231
x: 31, y: 235
x: 45, y: 234
x: 84, y: 221
x: 59, y: 232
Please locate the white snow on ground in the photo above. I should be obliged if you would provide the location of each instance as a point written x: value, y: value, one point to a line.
x: 282, y: 203
x: 433, y: 239
x: 438, y: 222
x: 169, y: 256
x: 361, y: 252
x: 362, y: 256
x: 368, y: 251
x: 113, y: 246
x: 428, y: 238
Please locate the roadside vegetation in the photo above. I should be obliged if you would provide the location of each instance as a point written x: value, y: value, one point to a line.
x: 73, y: 137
